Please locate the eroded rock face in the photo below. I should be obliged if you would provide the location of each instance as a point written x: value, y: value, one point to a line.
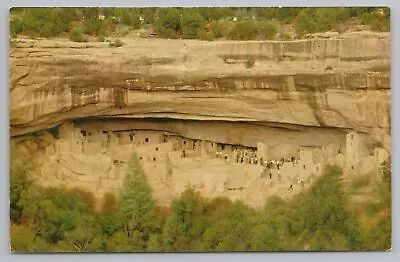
x: 324, y: 83
x: 304, y: 93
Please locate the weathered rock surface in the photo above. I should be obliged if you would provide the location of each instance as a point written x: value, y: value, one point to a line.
x: 341, y: 84
x: 284, y: 95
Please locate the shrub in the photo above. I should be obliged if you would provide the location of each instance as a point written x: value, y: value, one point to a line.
x: 192, y: 24
x: 244, y: 30
x: 130, y: 17
x: 76, y: 35
x: 42, y: 22
x: 122, y: 30
x: 267, y: 30
x: 101, y: 38
x: 285, y: 15
x: 203, y: 35
x: 376, y: 21
x: 167, y: 22
x: 116, y: 43
x: 168, y: 33
x: 19, y: 168
x: 98, y: 27
x: 311, y: 20
x: 221, y: 29
x: 250, y: 62
x: 16, y: 27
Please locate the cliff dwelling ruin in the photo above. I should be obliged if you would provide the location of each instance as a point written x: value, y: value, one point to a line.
x: 94, y: 154
x: 195, y: 118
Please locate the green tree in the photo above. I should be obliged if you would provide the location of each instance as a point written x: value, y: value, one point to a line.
x: 320, y: 216
x: 110, y: 218
x: 311, y: 20
x: 270, y: 230
x: 19, y: 167
x: 167, y: 22
x: 39, y: 211
x: 192, y: 24
x: 120, y: 242
x: 42, y: 22
x: 129, y: 16
x: 221, y: 28
x: 184, y: 228
x: 85, y: 235
x: 244, y: 30
x: 229, y: 229
x: 215, y: 13
x: 137, y: 204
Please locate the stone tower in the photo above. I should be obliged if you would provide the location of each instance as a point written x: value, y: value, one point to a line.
x: 356, y: 152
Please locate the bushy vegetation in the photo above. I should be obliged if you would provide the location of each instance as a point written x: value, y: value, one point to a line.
x: 55, y: 220
x: 77, y: 35
x: 379, y: 233
x: 41, y: 22
x: 190, y: 23
x: 116, y: 43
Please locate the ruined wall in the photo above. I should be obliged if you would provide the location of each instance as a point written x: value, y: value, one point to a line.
x: 211, y: 168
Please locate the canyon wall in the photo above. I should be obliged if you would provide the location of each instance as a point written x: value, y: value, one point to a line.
x: 305, y: 94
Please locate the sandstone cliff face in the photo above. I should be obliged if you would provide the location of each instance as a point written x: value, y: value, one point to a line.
x: 285, y: 95
x: 341, y: 83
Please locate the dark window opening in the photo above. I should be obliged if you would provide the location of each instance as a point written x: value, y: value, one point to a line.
x: 222, y: 147
x: 90, y: 133
x: 115, y: 161
x: 352, y: 167
x: 140, y: 158
x: 104, y: 132
x: 212, y: 144
x: 184, y: 142
x: 131, y: 137
x: 156, y: 148
x: 146, y: 140
x: 154, y: 159
x: 304, y: 166
x: 165, y: 140
x: 83, y: 132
